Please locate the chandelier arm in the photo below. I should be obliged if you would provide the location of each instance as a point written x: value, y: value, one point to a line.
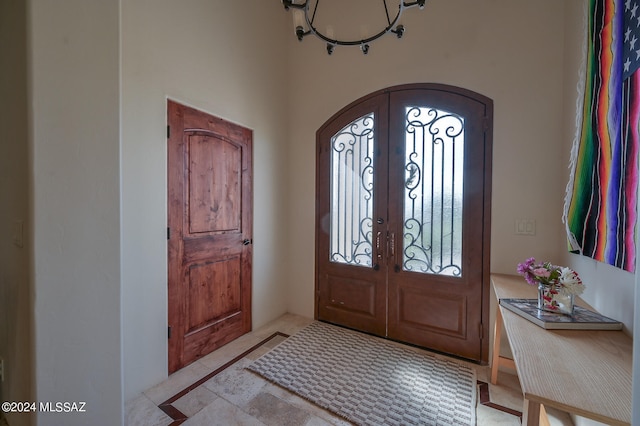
x: 419, y: 3
x: 386, y: 10
x: 313, y: 17
x: 350, y: 42
x: 363, y: 43
x: 386, y: 30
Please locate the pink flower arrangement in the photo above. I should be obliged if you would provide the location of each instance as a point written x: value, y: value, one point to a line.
x: 560, y: 278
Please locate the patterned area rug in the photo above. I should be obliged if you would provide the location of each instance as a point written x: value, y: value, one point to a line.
x: 370, y: 381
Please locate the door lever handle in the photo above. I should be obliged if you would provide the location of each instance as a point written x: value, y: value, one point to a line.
x: 392, y: 242
x: 378, y: 251
x: 246, y: 242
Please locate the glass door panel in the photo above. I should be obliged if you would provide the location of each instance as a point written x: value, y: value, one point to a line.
x: 351, y: 223
x: 433, y: 189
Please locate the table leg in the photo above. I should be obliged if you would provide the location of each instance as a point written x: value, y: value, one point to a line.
x: 544, y: 419
x: 497, y: 335
x: 530, y: 413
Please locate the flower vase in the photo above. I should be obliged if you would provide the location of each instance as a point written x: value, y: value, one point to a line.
x: 550, y: 299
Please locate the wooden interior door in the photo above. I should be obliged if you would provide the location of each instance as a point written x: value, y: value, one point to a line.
x: 210, y: 233
x: 403, y: 226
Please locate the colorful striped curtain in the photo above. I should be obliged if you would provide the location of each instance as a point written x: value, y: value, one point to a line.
x: 601, y: 202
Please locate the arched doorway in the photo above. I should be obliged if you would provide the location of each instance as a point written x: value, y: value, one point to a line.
x: 403, y: 217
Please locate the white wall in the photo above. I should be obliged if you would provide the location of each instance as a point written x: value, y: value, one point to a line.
x: 75, y: 108
x: 485, y: 46
x: 15, y: 300
x: 225, y: 58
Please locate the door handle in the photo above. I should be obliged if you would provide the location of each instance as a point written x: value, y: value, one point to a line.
x: 393, y: 252
x: 246, y: 242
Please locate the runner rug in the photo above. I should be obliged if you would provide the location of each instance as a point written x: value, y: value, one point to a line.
x: 370, y: 381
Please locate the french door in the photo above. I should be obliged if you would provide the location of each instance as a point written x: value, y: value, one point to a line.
x: 403, y: 217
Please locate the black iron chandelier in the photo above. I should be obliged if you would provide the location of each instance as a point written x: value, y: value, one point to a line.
x: 305, y: 16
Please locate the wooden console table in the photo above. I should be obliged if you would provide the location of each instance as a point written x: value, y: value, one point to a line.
x: 585, y: 372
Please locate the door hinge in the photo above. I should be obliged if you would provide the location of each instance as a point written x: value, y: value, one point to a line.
x: 481, y: 331
x: 168, y: 233
x: 169, y: 332
x: 168, y: 131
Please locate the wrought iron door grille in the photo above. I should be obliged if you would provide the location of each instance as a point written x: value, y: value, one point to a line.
x: 433, y: 189
x: 352, y: 193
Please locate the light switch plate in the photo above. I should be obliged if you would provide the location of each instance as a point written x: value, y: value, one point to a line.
x: 525, y: 227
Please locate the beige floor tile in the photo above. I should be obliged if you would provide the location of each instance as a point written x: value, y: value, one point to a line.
x: 258, y: 353
x: 482, y: 373
x: 222, y: 356
x: 141, y: 411
x: 507, y: 392
x: 236, y: 385
x: 303, y: 404
x: 194, y: 401
x: 486, y: 416
x: 232, y: 350
x: 239, y: 397
x: 317, y: 421
x: 177, y: 382
x: 272, y: 410
x: 222, y: 413
x: 558, y: 418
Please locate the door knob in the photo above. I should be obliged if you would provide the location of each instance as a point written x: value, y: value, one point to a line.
x: 246, y: 242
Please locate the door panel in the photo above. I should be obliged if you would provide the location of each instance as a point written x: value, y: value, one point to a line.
x: 351, y: 283
x: 351, y: 295
x: 209, y: 216
x: 416, y: 267
x: 213, y: 292
x: 215, y: 194
x: 438, y: 155
x: 443, y: 313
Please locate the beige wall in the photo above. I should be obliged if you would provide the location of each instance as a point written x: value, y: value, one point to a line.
x: 15, y: 300
x: 527, y: 66
x: 224, y: 58
x: 99, y: 90
x: 74, y: 105
x: 485, y: 46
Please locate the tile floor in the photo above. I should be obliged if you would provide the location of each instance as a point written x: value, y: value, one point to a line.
x: 235, y: 396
